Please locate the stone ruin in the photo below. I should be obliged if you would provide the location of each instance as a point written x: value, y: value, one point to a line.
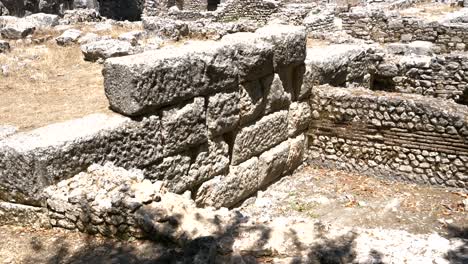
x: 209, y: 123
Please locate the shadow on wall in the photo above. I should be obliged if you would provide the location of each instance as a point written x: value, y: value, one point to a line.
x: 130, y: 10
x: 217, y: 248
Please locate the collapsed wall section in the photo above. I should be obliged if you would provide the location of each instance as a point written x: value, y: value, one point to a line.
x: 399, y: 136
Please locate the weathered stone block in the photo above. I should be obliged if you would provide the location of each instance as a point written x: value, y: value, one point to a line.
x: 256, y: 58
x: 272, y: 164
x: 252, y: 101
x: 211, y: 159
x: 276, y: 97
x: 260, y: 136
x: 297, y: 151
x: 299, y: 117
x: 171, y: 169
x: 289, y: 43
x: 223, y: 112
x: 140, y: 83
x: 227, y: 191
x: 184, y: 127
x: 34, y: 160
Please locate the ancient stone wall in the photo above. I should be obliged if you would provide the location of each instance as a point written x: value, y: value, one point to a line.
x: 259, y: 10
x: 221, y: 119
x: 442, y: 76
x: 406, y: 137
x: 378, y: 26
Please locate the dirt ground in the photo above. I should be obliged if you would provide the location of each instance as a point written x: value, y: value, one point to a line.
x: 45, y: 83
x: 335, y: 198
x: 346, y: 199
x: 429, y: 11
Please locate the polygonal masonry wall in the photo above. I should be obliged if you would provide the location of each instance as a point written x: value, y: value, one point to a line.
x: 202, y: 113
x: 225, y: 119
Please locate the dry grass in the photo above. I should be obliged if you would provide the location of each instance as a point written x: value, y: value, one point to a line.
x: 312, y: 42
x: 48, y: 83
x: 430, y: 11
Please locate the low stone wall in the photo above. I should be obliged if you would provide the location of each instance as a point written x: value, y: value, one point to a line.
x: 257, y: 10
x: 221, y: 119
x: 441, y: 76
x: 320, y: 22
x: 199, y: 29
x: 396, y: 136
x: 381, y: 27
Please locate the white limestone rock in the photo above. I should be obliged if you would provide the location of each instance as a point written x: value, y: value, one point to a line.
x: 104, y: 49
x: 68, y: 37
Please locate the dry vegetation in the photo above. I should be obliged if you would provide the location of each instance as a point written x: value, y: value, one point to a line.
x: 45, y: 83
x: 430, y: 11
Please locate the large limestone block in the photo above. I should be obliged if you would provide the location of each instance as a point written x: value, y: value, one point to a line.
x: 297, y: 149
x: 211, y: 159
x: 106, y: 48
x: 144, y: 82
x: 254, y: 56
x: 227, y: 191
x: 252, y: 101
x: 299, y: 117
x: 289, y: 43
x: 184, y: 127
x: 172, y: 170
x: 223, y: 112
x: 260, y: 136
x: 273, y: 164
x: 31, y: 161
x: 41, y: 20
x: 277, y: 98
x: 181, y: 173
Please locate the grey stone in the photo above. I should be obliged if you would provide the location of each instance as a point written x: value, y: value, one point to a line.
x: 91, y: 37
x: 223, y: 112
x: 252, y: 101
x: 106, y: 48
x: 171, y: 169
x: 68, y: 37
x: 256, y: 59
x: 140, y: 83
x: 184, y: 127
x: 4, y: 46
x: 31, y: 161
x: 297, y: 151
x: 298, y: 118
x: 18, y: 30
x: 289, y: 43
x: 133, y: 36
x: 276, y: 98
x: 227, y: 191
x: 211, y: 159
x: 43, y: 21
x: 272, y: 164
x: 260, y: 136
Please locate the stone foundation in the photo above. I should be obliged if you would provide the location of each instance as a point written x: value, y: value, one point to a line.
x: 405, y: 137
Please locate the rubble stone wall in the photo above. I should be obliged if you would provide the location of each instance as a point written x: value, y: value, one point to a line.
x: 407, y: 137
x: 220, y: 119
x: 441, y: 76
x: 233, y: 10
x: 381, y: 27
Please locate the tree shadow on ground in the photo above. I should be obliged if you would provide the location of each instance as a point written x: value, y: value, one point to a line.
x: 217, y: 248
x: 460, y: 254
